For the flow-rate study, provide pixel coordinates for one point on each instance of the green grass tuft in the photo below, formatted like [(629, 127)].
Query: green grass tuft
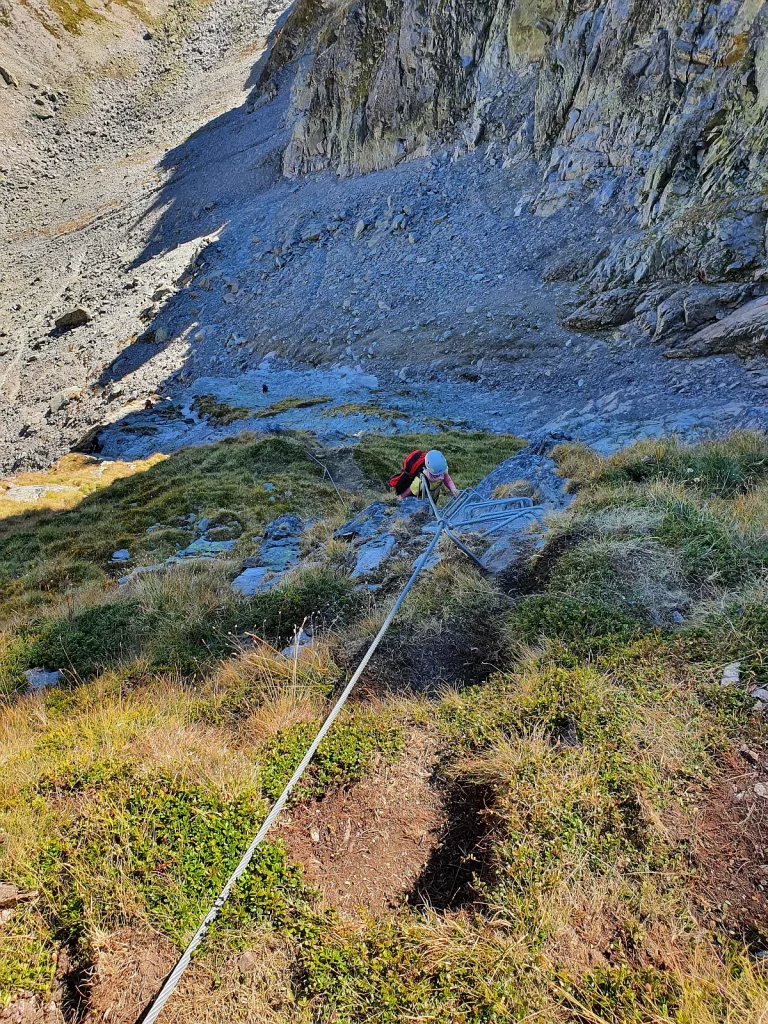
[(343, 759), (470, 456)]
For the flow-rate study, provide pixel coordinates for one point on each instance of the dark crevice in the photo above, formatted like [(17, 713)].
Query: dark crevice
[(447, 881), (73, 976), (532, 575)]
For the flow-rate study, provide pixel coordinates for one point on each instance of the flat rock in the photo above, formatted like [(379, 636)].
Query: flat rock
[(508, 551), (254, 581), (39, 678), (372, 554), (203, 548), (122, 555), (33, 492), (537, 469), (373, 517), (278, 555)]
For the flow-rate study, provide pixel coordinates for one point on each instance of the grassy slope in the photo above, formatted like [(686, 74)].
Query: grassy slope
[(585, 756)]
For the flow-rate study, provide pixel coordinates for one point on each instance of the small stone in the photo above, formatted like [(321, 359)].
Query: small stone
[(76, 317), (123, 555), (749, 755), (359, 229), (761, 790), (760, 694), (677, 618), (297, 648), (730, 675), (9, 895), (43, 113), (314, 834), (312, 232), (8, 77), (248, 961)]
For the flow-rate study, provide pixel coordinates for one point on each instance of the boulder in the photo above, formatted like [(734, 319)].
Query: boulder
[(366, 523), (607, 310), (284, 526), (76, 317), (703, 305), (744, 332), (39, 678)]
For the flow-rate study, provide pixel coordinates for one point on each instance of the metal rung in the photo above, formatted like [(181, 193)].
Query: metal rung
[(484, 516)]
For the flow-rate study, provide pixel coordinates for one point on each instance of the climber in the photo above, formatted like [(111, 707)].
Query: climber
[(422, 470)]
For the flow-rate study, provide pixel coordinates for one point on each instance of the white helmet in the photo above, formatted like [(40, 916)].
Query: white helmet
[(435, 463)]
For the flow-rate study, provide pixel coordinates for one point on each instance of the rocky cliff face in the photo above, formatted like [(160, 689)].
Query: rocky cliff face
[(652, 109)]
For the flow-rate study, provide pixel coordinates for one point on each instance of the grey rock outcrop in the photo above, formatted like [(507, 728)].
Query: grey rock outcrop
[(656, 111), (278, 552), (745, 332)]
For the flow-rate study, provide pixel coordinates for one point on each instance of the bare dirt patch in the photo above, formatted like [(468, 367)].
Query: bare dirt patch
[(31, 1010), (731, 847), (365, 847), (130, 965)]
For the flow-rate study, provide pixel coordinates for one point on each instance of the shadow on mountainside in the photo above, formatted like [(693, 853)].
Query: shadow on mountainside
[(214, 176)]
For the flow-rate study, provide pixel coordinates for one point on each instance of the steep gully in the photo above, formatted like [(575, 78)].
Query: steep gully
[(440, 286)]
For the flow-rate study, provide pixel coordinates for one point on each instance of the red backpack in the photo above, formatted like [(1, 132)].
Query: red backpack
[(413, 464)]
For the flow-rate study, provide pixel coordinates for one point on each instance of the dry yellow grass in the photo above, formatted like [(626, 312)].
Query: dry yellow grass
[(81, 475)]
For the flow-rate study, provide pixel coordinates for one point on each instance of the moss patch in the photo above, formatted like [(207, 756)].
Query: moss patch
[(219, 413), (292, 402)]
